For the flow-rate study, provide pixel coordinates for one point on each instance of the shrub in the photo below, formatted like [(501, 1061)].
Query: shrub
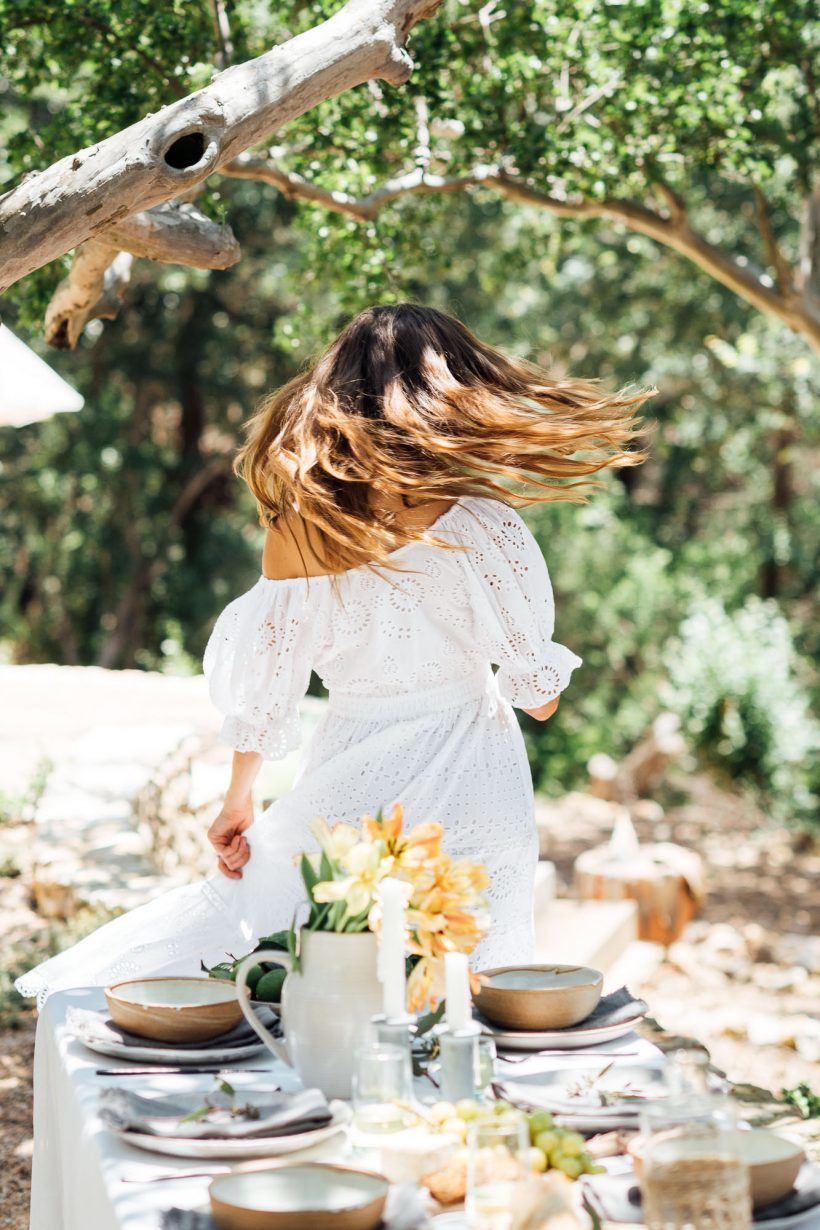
[(733, 679)]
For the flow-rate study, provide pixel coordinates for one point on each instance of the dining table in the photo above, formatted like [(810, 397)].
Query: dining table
[(86, 1177)]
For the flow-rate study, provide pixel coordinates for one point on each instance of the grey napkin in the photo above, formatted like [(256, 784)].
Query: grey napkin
[(280, 1114), (579, 1114), (614, 1009), (617, 1198), (98, 1027)]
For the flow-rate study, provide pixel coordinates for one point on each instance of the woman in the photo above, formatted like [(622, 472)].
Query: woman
[(395, 567)]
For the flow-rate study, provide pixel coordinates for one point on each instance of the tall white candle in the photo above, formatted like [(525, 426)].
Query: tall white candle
[(457, 991), (391, 952)]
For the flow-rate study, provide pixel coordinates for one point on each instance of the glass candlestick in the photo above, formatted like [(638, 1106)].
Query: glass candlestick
[(459, 1063), (394, 1030)]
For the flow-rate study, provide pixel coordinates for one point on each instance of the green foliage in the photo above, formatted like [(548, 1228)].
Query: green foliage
[(21, 806), (732, 679), (806, 1101)]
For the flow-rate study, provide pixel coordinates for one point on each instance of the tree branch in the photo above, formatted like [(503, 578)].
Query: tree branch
[(177, 234), (93, 289), (810, 254), (222, 31), (781, 266), (79, 197), (673, 230)]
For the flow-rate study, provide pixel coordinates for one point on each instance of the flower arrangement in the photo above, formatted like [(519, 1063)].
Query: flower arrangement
[(445, 912)]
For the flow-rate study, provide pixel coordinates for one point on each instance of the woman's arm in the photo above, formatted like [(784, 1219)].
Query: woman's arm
[(226, 832), (546, 711)]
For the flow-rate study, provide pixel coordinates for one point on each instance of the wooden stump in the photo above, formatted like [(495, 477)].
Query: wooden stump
[(663, 880)]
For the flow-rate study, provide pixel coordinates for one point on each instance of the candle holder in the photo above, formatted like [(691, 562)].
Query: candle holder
[(459, 1062), (394, 1030)]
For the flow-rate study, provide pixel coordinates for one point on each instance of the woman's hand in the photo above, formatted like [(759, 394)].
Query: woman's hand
[(226, 836)]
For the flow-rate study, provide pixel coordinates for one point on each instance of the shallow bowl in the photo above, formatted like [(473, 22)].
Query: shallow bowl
[(174, 1009), (310, 1196), (538, 996), (774, 1161)]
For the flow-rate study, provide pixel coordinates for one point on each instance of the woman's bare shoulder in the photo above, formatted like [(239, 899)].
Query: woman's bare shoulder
[(288, 552), (290, 545)]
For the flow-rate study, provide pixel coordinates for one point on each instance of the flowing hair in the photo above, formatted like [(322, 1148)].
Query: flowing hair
[(406, 402)]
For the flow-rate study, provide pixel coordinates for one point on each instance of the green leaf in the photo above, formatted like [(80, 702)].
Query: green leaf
[(278, 939), (429, 1020), (309, 876), (194, 1115)]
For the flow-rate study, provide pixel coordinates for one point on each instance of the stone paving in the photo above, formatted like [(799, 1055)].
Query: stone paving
[(133, 775)]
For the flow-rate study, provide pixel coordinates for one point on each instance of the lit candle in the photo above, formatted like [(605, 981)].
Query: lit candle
[(391, 951), (457, 991)]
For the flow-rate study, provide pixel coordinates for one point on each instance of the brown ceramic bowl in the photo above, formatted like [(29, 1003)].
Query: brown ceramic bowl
[(774, 1162), (538, 997), (309, 1196), (174, 1009)]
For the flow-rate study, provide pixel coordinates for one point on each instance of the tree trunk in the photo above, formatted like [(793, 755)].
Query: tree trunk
[(782, 495)]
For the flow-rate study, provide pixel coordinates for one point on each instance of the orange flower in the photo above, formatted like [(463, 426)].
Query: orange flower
[(377, 828)]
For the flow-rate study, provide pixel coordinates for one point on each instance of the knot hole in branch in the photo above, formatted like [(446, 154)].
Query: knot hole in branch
[(186, 151)]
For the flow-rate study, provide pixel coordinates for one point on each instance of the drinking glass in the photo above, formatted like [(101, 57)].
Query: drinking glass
[(497, 1168), (485, 1065), (382, 1088), (692, 1173)]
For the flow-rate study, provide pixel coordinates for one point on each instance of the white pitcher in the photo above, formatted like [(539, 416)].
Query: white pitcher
[(326, 1005)]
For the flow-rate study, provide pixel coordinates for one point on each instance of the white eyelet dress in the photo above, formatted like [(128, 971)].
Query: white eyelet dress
[(415, 715)]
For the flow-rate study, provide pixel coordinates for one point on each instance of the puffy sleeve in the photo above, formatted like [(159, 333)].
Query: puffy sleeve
[(257, 663), (514, 606)]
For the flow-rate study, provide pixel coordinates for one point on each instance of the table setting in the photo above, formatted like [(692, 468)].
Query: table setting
[(392, 1085)]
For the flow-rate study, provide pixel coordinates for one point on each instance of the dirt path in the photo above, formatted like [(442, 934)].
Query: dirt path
[(16, 1053)]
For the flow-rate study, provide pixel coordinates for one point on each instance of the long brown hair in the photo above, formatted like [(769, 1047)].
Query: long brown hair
[(406, 402)]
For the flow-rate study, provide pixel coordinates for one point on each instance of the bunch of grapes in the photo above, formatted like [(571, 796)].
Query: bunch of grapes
[(551, 1147)]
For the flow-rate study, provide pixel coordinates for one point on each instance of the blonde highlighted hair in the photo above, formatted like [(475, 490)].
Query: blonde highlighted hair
[(406, 402)]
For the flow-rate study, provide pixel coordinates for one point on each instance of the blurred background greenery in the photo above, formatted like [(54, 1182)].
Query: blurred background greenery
[(688, 584)]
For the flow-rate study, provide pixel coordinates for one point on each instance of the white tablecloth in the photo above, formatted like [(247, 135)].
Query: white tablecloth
[(79, 1166)]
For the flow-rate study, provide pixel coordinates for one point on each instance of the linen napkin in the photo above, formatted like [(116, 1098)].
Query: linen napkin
[(404, 1210), (617, 1198), (277, 1114), (90, 1026), (614, 1009), (583, 1116)]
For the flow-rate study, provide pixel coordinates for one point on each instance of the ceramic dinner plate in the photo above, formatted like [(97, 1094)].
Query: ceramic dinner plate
[(559, 1039), (258, 1146), (176, 1057)]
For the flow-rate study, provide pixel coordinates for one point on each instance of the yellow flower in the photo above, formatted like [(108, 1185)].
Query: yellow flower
[(365, 867), (336, 841)]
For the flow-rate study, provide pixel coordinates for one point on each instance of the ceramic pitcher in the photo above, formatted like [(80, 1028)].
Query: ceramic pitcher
[(326, 1005)]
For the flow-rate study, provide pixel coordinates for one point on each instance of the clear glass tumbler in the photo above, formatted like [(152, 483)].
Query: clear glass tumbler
[(485, 1065), (382, 1088), (497, 1169), (692, 1173)]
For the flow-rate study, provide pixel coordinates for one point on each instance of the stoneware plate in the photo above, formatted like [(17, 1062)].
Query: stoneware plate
[(538, 996), (774, 1162), (168, 1057), (310, 1196), (174, 1009), (559, 1040), (258, 1146)]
